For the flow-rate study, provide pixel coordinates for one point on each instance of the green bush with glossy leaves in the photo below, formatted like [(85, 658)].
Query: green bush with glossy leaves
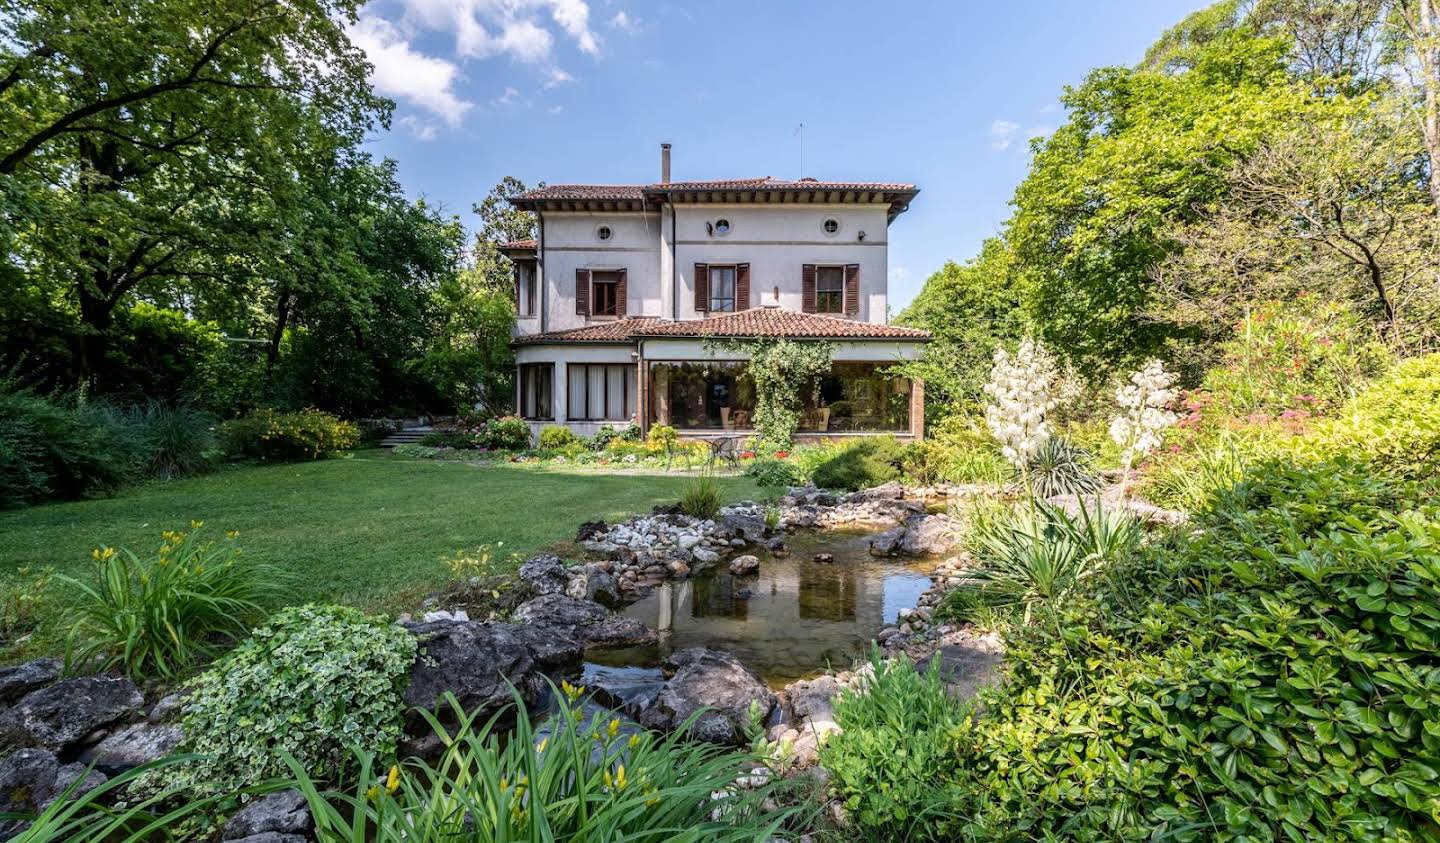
[(1272, 671)]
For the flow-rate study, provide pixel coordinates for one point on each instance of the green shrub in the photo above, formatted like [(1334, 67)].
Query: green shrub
[(772, 473), (701, 497), (923, 463), (894, 764), (1059, 468), (61, 447), (1266, 673), (607, 435), (1395, 423), (314, 683), (1307, 355), (1036, 553), (965, 451), (557, 438), (507, 434), (175, 440), (274, 435), (661, 436), (462, 440), (860, 464), (1187, 480), (163, 615), (576, 778)]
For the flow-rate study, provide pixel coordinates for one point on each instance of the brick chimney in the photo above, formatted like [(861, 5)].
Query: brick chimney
[(664, 163)]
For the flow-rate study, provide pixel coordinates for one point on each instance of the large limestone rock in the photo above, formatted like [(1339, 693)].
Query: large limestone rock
[(595, 583), (32, 778), (62, 714), (967, 666), (712, 680), (928, 535), (18, 680), (477, 662), (281, 815), (545, 574), (136, 744), (887, 543), (584, 620)]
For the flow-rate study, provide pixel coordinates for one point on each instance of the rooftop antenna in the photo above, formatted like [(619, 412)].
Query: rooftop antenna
[(800, 132)]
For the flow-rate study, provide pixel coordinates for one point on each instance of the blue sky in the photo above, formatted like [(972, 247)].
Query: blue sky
[(944, 95)]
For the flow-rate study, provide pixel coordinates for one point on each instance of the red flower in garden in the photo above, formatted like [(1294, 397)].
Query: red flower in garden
[(780, 455)]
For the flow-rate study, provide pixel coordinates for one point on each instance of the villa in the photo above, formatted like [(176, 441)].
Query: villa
[(623, 295)]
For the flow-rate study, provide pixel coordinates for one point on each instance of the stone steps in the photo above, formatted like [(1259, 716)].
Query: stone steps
[(408, 436)]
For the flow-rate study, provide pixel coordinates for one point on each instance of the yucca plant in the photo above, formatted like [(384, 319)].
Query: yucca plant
[(701, 498), (160, 616), (575, 779), (1037, 552), (1059, 467)]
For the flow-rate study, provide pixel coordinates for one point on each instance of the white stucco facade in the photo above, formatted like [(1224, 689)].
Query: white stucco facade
[(656, 235)]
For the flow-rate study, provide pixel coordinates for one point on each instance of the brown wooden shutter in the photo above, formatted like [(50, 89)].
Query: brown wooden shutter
[(807, 288), (582, 292), (742, 286), (852, 289), (515, 287), (620, 293), (702, 287)]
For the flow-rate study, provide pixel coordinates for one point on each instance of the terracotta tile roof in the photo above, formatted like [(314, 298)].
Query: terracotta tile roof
[(757, 322), (771, 183), (627, 192), (775, 322), (618, 331), (637, 192), (519, 245)]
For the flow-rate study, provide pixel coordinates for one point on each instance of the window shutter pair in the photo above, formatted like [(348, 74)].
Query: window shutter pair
[(702, 287), (583, 297)]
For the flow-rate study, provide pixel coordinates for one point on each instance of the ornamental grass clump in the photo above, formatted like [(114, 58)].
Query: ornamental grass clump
[(701, 497), (574, 777), (313, 684), (161, 616), (1021, 389)]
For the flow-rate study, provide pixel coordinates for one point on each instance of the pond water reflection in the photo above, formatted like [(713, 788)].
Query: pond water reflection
[(791, 620)]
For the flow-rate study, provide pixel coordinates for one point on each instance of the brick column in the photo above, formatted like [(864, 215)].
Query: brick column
[(917, 408)]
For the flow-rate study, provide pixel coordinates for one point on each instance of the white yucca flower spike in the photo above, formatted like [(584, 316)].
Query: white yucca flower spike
[(1022, 391), (1144, 411)]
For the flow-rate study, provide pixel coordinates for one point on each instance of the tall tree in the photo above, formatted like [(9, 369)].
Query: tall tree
[(132, 132)]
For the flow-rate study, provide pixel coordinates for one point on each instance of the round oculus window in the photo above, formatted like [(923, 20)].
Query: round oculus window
[(831, 226), (722, 227), (603, 232)]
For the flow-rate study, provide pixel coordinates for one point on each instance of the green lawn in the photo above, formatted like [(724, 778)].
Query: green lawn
[(369, 530)]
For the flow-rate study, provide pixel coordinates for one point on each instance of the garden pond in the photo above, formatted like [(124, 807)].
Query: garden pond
[(791, 620)]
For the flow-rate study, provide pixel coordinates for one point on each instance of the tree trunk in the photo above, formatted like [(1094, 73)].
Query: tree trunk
[(1424, 35)]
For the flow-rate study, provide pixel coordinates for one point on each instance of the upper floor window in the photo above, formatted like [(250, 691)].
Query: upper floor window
[(603, 232), (525, 293), (605, 293), (722, 288), (829, 289), (831, 226), (722, 227)]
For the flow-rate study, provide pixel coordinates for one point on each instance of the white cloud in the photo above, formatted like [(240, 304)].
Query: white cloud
[(485, 28), (624, 22), (421, 131), (1002, 134), (507, 98), (407, 75), (555, 77), (555, 109)]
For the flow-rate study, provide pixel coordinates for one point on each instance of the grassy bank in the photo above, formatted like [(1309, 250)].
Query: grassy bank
[(369, 530)]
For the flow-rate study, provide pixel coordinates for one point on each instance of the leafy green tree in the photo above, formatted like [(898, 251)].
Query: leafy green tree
[(970, 308), (137, 136), (1142, 150)]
